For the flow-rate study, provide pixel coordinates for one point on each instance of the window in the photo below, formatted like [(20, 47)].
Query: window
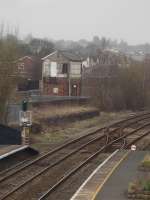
[(27, 85), (65, 68), (21, 67)]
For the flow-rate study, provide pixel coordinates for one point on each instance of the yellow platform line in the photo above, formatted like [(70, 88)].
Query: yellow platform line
[(110, 173)]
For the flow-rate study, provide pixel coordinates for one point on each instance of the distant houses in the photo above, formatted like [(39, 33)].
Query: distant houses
[(61, 73), (57, 74)]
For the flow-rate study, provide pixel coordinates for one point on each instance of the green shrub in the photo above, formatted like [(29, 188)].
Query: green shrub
[(146, 185), (146, 161)]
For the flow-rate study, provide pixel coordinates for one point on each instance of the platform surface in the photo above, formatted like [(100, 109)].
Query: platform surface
[(116, 186), (8, 148)]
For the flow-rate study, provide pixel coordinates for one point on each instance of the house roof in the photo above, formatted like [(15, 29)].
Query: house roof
[(71, 56), (49, 55), (22, 58), (68, 55)]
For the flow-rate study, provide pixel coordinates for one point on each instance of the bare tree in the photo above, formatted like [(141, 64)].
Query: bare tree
[(8, 71)]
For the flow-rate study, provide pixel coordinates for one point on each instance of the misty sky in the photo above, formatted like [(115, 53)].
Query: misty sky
[(76, 19)]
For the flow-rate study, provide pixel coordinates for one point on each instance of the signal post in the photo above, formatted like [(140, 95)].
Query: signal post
[(25, 123)]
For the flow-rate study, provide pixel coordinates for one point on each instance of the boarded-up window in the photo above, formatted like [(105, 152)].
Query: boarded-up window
[(46, 69), (53, 69), (75, 69)]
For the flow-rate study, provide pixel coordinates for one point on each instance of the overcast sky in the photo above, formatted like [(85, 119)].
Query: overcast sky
[(76, 19)]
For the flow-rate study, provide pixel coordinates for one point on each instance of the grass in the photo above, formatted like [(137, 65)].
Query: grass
[(146, 161), (138, 186), (142, 182), (146, 186), (133, 187), (57, 111), (52, 136)]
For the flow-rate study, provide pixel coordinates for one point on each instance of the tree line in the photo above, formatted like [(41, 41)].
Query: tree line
[(128, 90)]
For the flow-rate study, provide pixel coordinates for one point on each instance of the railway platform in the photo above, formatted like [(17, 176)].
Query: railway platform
[(7, 149), (11, 150), (12, 155), (110, 180)]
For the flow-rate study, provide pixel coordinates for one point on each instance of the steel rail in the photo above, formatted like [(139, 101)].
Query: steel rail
[(72, 172), (137, 139), (73, 152), (69, 143), (51, 166), (59, 161), (63, 159)]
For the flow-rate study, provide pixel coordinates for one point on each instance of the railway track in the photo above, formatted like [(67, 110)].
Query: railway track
[(70, 157), (21, 161), (18, 157), (22, 165), (123, 145)]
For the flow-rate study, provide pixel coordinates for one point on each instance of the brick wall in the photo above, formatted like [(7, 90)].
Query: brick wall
[(60, 87)]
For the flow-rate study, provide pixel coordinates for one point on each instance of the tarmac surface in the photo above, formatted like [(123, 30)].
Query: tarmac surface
[(116, 186)]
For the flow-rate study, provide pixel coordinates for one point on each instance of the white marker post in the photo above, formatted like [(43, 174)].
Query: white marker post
[(133, 147)]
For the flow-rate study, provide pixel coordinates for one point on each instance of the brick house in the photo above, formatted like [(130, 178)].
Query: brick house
[(30, 73), (61, 74)]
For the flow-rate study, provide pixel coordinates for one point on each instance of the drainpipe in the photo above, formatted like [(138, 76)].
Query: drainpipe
[(42, 81), (81, 80), (69, 81)]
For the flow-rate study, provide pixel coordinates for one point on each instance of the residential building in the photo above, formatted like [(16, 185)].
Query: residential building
[(30, 73)]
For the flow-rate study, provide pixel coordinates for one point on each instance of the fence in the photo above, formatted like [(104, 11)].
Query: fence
[(9, 136)]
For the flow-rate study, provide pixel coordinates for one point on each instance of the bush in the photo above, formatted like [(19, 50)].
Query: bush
[(146, 161), (146, 186), (133, 187)]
